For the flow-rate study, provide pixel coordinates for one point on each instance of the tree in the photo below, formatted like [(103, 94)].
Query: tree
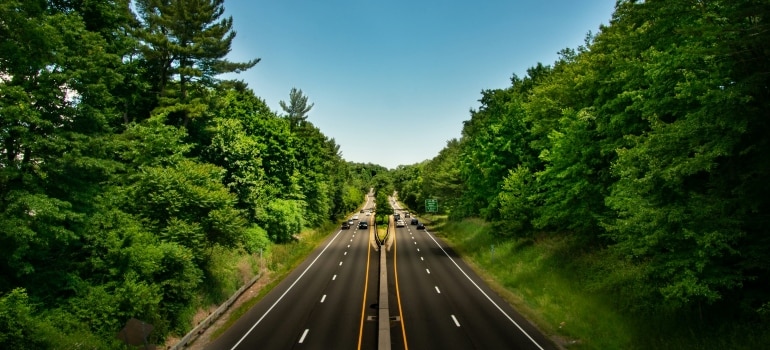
[(297, 108), (692, 190), (186, 39)]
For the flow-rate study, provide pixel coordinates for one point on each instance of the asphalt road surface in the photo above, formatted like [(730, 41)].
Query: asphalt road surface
[(444, 304), (330, 300), (325, 303)]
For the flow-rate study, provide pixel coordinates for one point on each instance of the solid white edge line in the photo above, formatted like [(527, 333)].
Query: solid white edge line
[(482, 292), (304, 334), (285, 292)]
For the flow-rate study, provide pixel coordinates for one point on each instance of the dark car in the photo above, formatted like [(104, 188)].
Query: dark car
[(414, 221), (363, 224), (420, 226), (345, 225), (361, 211)]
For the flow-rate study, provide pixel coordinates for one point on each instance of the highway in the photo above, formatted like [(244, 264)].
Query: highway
[(325, 303), (330, 300), (444, 304)]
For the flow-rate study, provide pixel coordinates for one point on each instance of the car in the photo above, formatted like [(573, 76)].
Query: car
[(361, 211), (345, 225), (355, 217), (414, 221), (397, 216), (368, 213), (400, 223), (363, 224), (407, 215), (350, 222), (420, 226)]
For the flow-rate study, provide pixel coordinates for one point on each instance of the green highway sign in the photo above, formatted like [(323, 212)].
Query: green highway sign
[(431, 205)]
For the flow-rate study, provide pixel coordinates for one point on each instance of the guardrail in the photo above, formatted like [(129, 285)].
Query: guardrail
[(198, 330)]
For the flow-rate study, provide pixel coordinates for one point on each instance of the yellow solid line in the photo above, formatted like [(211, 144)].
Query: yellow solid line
[(366, 284), (398, 294)]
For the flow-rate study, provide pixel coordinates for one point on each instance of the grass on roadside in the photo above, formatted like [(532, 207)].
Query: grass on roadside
[(563, 291), (282, 259)]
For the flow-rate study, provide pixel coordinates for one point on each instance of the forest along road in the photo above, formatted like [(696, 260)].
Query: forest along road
[(445, 305), (323, 304)]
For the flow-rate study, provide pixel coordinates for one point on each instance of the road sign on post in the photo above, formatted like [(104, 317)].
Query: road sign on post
[(431, 205)]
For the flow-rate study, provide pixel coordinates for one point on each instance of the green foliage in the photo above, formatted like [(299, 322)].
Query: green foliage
[(382, 204), (256, 240), (189, 40), (18, 325), (297, 108), (189, 204), (283, 219), (494, 141), (650, 140), (109, 213), (593, 299), (516, 204)]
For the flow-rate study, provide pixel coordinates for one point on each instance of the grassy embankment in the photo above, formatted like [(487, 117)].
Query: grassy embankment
[(278, 262), (563, 289)]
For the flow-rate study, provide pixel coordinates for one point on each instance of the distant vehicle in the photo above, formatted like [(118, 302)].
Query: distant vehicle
[(345, 225), (400, 223), (361, 211), (368, 213), (420, 226), (350, 222), (414, 221), (355, 217), (407, 215), (363, 224)]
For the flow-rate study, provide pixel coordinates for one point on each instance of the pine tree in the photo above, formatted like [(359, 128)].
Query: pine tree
[(297, 108), (185, 42)]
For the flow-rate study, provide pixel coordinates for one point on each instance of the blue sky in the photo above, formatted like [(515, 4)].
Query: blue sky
[(392, 81)]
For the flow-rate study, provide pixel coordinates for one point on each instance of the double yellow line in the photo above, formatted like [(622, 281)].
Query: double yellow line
[(366, 284)]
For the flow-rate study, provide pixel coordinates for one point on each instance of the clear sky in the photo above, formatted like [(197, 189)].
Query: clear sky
[(393, 80)]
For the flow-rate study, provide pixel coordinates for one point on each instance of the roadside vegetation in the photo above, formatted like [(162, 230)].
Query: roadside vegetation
[(624, 189), (567, 292), (135, 183), (620, 194), (279, 262)]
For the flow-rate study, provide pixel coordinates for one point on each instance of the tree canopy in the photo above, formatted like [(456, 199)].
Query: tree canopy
[(649, 142), (128, 168)]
